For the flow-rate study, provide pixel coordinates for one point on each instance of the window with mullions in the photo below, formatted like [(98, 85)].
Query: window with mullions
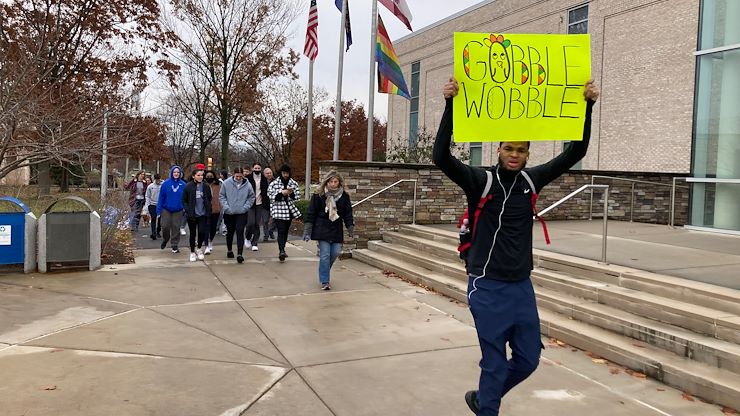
[(578, 20), (476, 154), (414, 111), (577, 25)]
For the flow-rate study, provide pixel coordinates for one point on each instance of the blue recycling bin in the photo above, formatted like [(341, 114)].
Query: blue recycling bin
[(18, 236)]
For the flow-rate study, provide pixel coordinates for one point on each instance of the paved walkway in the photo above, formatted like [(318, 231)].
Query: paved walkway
[(168, 337)]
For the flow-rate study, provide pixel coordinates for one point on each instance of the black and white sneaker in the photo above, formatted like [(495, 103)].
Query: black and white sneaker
[(175, 250), (282, 256), (325, 286)]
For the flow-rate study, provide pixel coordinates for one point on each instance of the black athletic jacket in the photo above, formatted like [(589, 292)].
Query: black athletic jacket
[(503, 249)]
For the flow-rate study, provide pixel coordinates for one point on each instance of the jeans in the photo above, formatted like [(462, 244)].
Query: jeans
[(213, 226), (254, 222), (135, 214), (328, 253), (199, 224), (504, 312), (156, 223), (235, 224), (283, 228), (171, 226)]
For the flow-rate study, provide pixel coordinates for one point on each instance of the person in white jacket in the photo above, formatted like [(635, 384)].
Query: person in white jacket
[(151, 199)]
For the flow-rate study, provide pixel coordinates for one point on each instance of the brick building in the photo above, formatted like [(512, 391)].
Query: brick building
[(646, 56)]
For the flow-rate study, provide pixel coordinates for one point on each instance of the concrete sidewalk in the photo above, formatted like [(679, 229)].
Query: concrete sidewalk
[(168, 337)]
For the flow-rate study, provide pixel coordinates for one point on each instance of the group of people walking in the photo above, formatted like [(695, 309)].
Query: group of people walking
[(250, 204)]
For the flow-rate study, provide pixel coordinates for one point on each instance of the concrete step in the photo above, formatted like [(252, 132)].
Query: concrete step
[(579, 298), (430, 247), (718, 324), (684, 343), (718, 385), (454, 269), (430, 233), (447, 286), (714, 384), (683, 290)]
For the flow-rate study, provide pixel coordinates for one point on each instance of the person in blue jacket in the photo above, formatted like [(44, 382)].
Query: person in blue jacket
[(170, 208)]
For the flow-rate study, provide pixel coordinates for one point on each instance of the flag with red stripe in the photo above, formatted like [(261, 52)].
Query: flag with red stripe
[(400, 9), (311, 47)]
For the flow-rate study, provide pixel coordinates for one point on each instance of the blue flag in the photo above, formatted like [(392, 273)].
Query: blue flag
[(347, 27)]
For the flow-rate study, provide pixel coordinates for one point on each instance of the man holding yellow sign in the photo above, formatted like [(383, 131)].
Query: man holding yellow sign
[(512, 89), (520, 87)]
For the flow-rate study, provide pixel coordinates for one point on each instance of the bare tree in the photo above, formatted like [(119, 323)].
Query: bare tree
[(61, 62), (236, 44)]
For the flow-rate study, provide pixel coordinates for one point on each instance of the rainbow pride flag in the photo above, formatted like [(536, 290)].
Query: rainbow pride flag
[(390, 77)]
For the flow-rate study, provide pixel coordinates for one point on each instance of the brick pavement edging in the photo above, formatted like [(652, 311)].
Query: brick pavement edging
[(440, 201)]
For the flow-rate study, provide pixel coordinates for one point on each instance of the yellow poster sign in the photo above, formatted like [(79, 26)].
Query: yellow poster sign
[(520, 87)]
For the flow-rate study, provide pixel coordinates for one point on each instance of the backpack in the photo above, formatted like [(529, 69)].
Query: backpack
[(467, 231)]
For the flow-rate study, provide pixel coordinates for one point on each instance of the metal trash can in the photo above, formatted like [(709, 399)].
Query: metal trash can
[(18, 236), (69, 238)]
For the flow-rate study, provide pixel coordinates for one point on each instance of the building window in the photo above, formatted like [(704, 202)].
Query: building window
[(577, 24), (414, 111), (578, 20), (716, 138), (476, 154)]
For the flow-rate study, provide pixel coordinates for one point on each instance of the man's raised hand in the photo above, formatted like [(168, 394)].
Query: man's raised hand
[(450, 89), (591, 92)]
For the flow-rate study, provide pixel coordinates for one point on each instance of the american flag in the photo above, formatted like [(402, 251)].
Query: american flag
[(311, 48)]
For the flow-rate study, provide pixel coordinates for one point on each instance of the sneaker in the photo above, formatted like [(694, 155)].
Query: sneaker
[(239, 259), (159, 235), (230, 255), (255, 248), (152, 236), (200, 255), (182, 231), (175, 250), (264, 239), (471, 398), (282, 256), (208, 250), (163, 245), (193, 257), (272, 235), (247, 244), (325, 286)]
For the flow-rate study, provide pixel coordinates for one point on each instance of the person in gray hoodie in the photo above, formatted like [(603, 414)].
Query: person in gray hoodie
[(236, 198), (152, 196)]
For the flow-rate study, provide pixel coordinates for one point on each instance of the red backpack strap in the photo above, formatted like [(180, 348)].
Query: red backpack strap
[(484, 198), (533, 200)]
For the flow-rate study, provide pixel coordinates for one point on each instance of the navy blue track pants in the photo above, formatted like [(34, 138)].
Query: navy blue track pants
[(504, 312)]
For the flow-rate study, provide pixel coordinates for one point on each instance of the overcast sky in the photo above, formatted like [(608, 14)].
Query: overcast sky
[(357, 60)]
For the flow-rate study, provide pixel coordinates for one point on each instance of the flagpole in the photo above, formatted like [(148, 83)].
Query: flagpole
[(371, 93), (309, 136), (338, 110)]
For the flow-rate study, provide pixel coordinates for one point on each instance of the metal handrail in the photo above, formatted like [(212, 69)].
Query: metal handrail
[(632, 193), (606, 211), (413, 215)]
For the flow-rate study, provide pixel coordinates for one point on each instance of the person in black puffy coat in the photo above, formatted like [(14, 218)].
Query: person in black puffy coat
[(329, 210)]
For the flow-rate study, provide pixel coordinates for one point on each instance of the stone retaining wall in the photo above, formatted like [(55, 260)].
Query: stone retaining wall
[(439, 200)]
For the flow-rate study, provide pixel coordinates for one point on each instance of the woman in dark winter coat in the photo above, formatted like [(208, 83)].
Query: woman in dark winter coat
[(197, 203), (330, 209)]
